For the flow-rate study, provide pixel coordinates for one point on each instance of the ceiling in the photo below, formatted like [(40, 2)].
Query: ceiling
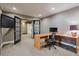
[(37, 9)]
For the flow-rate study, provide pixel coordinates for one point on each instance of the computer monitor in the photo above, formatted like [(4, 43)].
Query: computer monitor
[(53, 29)]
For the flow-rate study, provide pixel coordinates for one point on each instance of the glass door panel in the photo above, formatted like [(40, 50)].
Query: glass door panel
[(17, 31)]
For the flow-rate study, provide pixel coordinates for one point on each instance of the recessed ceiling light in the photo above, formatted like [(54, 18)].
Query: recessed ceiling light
[(53, 8), (23, 23), (14, 8), (39, 15)]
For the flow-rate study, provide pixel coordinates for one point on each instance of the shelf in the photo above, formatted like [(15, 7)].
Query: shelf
[(72, 45)]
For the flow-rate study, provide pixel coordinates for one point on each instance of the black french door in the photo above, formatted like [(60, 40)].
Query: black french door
[(17, 30), (36, 27)]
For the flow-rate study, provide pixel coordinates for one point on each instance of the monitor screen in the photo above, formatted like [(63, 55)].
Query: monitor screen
[(6, 21), (53, 29)]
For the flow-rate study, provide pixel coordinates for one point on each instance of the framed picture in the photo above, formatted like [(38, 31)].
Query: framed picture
[(73, 27)]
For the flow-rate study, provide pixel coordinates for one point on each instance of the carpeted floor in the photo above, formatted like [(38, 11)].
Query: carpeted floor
[(26, 48)]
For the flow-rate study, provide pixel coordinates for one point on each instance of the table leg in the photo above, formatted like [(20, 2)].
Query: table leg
[(58, 39)]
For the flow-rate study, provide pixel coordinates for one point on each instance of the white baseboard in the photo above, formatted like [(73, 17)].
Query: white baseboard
[(6, 43)]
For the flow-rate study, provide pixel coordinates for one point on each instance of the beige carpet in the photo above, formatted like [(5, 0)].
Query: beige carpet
[(26, 48)]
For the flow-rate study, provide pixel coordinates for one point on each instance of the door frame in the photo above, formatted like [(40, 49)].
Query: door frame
[(15, 42), (34, 28)]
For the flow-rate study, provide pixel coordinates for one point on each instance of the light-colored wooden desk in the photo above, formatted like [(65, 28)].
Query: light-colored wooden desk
[(38, 37), (59, 38)]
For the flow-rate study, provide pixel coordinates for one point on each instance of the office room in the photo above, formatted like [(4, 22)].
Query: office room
[(39, 29)]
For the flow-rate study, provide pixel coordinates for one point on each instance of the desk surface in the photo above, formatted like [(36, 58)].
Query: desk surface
[(65, 35), (58, 34), (44, 34)]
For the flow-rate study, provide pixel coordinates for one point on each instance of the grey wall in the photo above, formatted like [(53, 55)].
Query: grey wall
[(61, 20)]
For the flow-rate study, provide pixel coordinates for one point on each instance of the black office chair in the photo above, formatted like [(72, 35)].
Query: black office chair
[(51, 41)]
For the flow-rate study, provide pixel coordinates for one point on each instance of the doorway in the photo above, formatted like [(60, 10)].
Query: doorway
[(29, 28), (26, 28)]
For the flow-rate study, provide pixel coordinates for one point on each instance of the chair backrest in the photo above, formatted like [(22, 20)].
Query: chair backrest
[(52, 37)]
